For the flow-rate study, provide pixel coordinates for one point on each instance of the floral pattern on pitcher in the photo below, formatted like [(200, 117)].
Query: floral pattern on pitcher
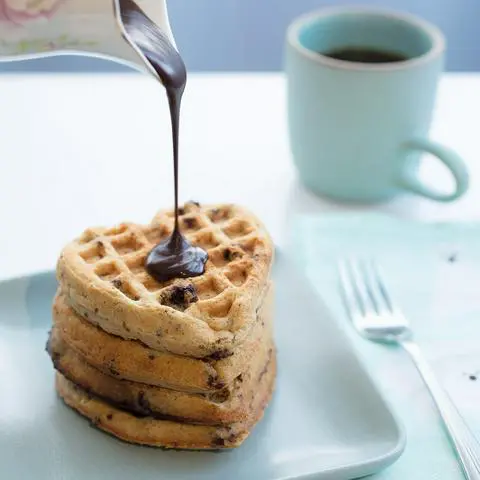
[(62, 42), (20, 12), (34, 28), (19, 15)]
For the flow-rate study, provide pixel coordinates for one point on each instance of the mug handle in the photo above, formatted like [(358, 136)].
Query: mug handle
[(449, 158)]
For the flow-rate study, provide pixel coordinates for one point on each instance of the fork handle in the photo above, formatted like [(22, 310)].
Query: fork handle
[(465, 443)]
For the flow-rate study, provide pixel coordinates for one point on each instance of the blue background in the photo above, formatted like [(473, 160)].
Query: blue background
[(243, 35)]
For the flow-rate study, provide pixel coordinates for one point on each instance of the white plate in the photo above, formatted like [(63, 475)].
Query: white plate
[(327, 420)]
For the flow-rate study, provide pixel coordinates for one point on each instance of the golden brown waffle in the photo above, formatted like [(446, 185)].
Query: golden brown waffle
[(166, 433), (131, 360), (103, 276), (219, 408)]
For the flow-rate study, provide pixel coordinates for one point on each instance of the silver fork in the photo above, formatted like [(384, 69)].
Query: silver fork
[(378, 318)]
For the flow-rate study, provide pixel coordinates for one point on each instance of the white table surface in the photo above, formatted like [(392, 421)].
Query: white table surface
[(95, 149)]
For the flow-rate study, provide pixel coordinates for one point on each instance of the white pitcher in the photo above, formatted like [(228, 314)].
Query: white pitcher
[(36, 28)]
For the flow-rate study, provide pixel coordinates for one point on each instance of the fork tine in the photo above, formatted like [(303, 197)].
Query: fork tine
[(358, 280), (348, 291), (354, 287), (381, 286), (374, 285)]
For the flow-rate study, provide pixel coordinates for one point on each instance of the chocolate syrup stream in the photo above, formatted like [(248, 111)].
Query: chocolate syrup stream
[(174, 257), (175, 100)]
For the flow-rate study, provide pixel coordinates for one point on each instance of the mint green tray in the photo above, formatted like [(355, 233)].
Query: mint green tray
[(327, 419)]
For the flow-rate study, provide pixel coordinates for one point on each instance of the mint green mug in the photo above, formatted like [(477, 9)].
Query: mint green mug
[(357, 129)]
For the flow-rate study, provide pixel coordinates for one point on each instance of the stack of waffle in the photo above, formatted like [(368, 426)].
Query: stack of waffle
[(187, 363)]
